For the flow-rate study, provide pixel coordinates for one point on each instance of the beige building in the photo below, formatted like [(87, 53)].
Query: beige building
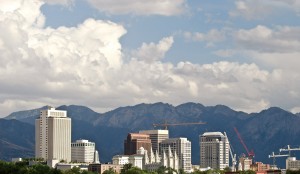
[(82, 151), (100, 168), (156, 137), (214, 150), (136, 160), (244, 163), (292, 163), (53, 135), (182, 148)]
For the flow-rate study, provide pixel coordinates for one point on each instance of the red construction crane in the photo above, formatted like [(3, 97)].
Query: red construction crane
[(165, 125), (250, 153)]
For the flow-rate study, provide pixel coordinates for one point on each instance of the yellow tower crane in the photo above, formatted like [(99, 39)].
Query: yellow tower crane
[(165, 125)]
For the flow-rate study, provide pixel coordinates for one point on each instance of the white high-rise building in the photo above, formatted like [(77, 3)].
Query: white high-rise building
[(156, 136), (53, 135), (214, 150), (182, 147), (83, 151)]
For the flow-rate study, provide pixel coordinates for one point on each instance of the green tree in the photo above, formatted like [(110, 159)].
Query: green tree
[(247, 172), (135, 170), (181, 171), (109, 171), (74, 170), (165, 170), (126, 167), (39, 168)]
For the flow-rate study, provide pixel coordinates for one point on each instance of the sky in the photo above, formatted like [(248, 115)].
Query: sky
[(106, 54)]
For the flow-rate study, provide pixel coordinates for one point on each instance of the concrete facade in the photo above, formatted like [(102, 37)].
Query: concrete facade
[(53, 135), (100, 168), (292, 163), (182, 147), (214, 150), (156, 137), (82, 151)]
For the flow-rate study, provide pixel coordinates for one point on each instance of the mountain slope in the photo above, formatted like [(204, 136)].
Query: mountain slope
[(263, 132), (16, 139)]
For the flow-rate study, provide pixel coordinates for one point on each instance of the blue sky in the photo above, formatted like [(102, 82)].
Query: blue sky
[(102, 54)]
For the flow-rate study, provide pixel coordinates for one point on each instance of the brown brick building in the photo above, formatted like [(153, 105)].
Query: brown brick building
[(136, 140)]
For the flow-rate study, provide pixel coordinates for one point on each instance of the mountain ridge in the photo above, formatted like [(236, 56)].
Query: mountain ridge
[(260, 131)]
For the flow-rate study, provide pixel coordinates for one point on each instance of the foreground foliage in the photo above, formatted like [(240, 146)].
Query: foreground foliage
[(24, 168)]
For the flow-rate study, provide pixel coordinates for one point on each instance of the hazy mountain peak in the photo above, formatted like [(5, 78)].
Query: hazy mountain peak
[(25, 113), (274, 110)]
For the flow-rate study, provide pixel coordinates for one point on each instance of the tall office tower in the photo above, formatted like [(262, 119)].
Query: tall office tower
[(156, 137), (214, 150), (53, 135), (182, 147), (136, 140), (83, 151)]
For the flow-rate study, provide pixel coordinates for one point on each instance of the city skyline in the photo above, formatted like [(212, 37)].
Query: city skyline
[(243, 54)]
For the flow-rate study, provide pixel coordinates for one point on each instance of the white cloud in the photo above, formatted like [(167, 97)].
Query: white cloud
[(61, 2), (141, 7), (257, 9), (84, 65), (263, 39), (295, 110), (212, 35), (251, 9), (38, 62), (225, 53), (154, 52)]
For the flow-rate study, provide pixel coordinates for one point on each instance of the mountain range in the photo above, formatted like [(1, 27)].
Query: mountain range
[(264, 132)]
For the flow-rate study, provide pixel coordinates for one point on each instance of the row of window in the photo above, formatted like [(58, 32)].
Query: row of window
[(82, 144)]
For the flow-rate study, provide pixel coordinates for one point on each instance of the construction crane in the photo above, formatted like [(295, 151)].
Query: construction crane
[(273, 155), (233, 157), (250, 153), (165, 125), (288, 149)]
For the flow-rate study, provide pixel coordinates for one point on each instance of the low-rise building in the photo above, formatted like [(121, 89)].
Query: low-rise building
[(120, 159), (292, 163), (135, 160), (100, 168), (83, 151), (68, 166), (244, 163), (259, 166)]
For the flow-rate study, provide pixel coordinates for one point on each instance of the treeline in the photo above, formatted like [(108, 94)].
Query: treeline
[(24, 168)]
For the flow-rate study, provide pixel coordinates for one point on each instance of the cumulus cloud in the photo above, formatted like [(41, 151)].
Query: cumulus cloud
[(48, 62), (225, 52), (61, 2), (141, 7), (84, 65), (211, 37), (256, 9), (251, 9), (261, 38), (153, 52)]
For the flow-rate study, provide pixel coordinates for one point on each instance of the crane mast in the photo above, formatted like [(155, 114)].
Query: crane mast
[(233, 157), (165, 125), (250, 153), (273, 155)]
